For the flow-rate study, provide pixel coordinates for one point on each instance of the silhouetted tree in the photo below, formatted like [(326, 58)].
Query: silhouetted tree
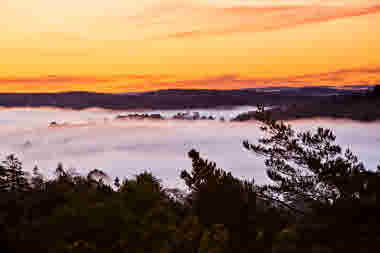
[(147, 179), (117, 182), (306, 168), (37, 180), (60, 172), (97, 177), (376, 91), (15, 178), (312, 175), (219, 198), (4, 182)]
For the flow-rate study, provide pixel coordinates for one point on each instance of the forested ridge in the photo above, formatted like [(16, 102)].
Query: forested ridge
[(321, 199), (359, 107), (176, 98)]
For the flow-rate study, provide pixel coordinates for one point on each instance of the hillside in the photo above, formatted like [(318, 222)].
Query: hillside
[(174, 99)]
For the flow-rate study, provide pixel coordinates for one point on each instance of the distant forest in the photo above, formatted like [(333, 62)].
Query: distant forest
[(362, 107), (320, 199), (180, 99)]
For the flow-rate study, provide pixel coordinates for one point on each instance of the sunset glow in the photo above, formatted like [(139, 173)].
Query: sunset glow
[(123, 46)]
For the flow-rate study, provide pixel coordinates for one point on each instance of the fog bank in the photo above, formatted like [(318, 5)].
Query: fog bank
[(94, 139)]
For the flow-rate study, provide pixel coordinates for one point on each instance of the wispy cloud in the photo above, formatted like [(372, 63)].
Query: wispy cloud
[(53, 79), (357, 76), (145, 82), (252, 19), (56, 79)]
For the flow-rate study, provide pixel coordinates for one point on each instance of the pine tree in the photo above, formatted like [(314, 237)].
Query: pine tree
[(4, 182), (219, 198), (37, 179), (15, 176), (117, 182), (306, 168)]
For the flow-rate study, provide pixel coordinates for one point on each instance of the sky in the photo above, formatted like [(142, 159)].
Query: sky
[(125, 46)]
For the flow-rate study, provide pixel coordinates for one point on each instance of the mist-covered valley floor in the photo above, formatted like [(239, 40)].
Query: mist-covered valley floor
[(95, 139)]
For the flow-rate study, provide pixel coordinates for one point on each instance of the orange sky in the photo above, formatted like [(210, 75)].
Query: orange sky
[(121, 46)]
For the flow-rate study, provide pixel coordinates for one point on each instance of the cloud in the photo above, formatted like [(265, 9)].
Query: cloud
[(52, 79), (363, 76), (62, 79), (146, 82), (248, 19)]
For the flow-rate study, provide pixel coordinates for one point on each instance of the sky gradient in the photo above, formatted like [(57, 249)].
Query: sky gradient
[(123, 46)]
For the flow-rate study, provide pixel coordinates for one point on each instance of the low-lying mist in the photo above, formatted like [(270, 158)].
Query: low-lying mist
[(95, 139)]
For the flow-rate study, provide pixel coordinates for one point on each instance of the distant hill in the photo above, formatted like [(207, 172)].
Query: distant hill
[(177, 98), (356, 106)]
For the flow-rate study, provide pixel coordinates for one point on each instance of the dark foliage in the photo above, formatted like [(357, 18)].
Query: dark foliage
[(311, 175), (218, 198), (359, 107), (376, 91)]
